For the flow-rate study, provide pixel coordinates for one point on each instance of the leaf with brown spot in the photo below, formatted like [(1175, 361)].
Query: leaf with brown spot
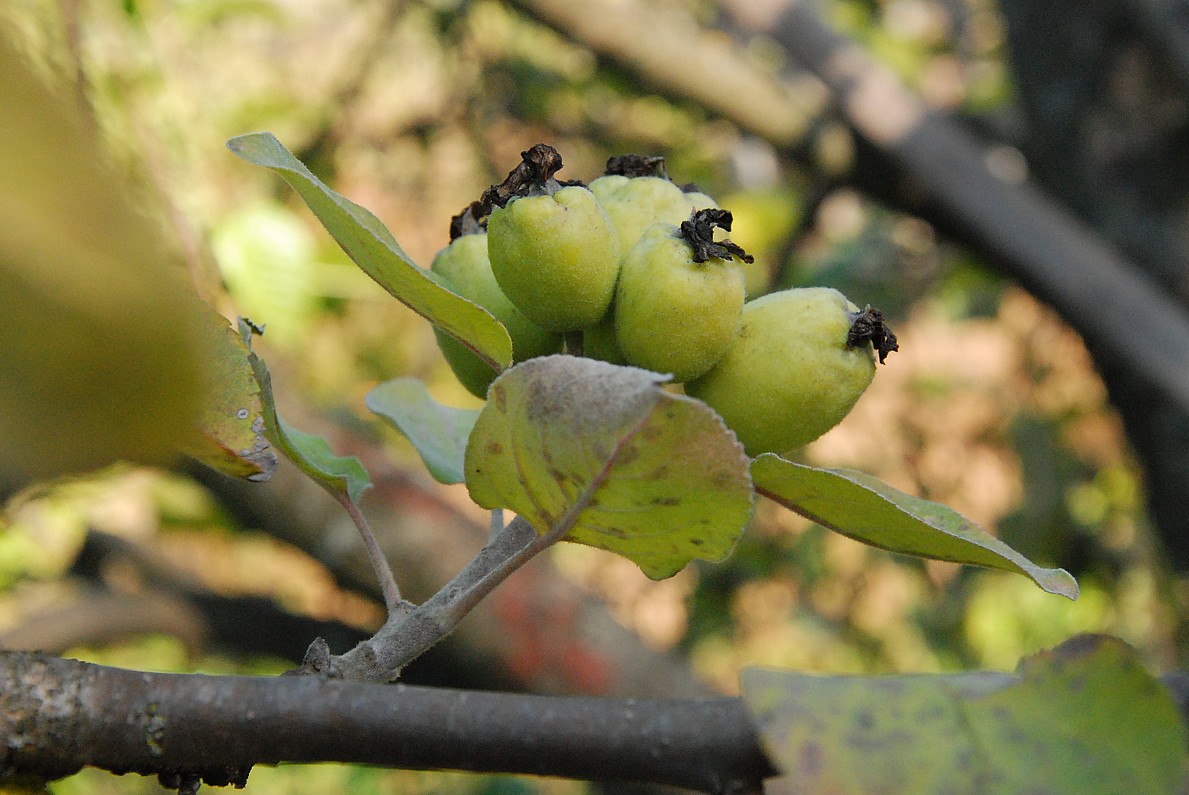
[(1085, 717), (611, 459)]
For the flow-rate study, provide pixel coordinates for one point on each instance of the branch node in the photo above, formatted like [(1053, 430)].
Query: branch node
[(317, 660)]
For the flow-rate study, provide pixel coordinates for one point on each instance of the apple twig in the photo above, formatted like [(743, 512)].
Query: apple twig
[(411, 630)]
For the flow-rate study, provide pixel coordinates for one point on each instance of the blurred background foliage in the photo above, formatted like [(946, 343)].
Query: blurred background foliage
[(992, 406)]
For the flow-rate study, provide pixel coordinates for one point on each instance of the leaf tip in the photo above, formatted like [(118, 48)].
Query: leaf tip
[(238, 144), (1061, 583), (242, 146)]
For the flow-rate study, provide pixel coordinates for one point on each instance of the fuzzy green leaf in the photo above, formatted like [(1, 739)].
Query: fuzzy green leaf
[(864, 508), (343, 476), (438, 433), (1085, 717), (373, 248), (607, 455)]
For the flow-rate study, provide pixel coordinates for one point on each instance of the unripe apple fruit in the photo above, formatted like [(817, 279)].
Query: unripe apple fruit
[(679, 298), (556, 257), (636, 193), (553, 250), (465, 266), (636, 203), (801, 361), (698, 200)]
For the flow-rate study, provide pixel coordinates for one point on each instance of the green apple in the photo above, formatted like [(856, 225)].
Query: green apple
[(679, 298), (636, 193), (636, 203), (698, 200), (465, 266), (553, 249), (801, 361), (556, 257)]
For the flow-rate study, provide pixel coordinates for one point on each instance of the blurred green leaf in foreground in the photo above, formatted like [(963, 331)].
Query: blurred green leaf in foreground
[(99, 359)]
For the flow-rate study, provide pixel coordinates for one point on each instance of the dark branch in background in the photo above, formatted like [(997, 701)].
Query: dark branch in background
[(945, 178), (940, 172), (1102, 90), (217, 727), (97, 617), (240, 625), (164, 601), (1166, 24), (672, 54)]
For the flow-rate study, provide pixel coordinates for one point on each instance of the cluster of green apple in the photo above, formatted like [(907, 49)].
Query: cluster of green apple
[(634, 269)]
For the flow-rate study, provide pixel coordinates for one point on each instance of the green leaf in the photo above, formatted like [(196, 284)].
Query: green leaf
[(864, 508), (439, 433), (853, 735), (373, 248), (1085, 717), (230, 435), (101, 357), (608, 456), (343, 476)]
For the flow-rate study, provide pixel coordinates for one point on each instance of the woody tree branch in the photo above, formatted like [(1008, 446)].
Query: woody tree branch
[(60, 715)]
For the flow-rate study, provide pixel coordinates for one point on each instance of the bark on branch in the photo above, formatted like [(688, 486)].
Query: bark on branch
[(58, 715)]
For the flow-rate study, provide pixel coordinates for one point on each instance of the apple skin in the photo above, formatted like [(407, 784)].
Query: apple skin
[(790, 375), (636, 203), (674, 315), (700, 201), (465, 266), (556, 257)]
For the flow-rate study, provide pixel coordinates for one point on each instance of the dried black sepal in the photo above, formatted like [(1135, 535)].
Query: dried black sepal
[(536, 167), (869, 326), (698, 231), (636, 166), (533, 176), (471, 221)]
